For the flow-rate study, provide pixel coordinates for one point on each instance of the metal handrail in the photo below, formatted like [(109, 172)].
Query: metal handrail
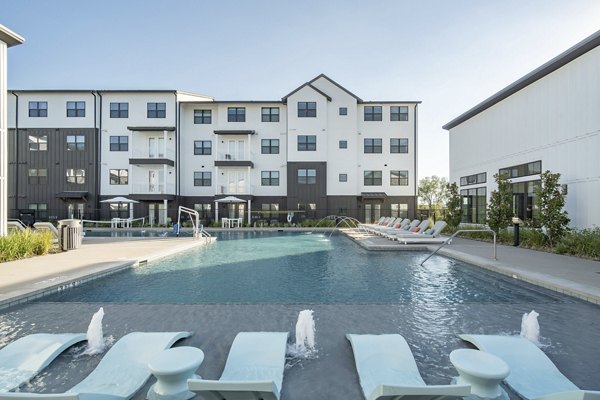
[(456, 233)]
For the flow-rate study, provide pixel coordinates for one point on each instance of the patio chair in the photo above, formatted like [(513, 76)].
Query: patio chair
[(24, 358), (532, 374), (431, 237), (254, 369), (387, 370), (120, 374)]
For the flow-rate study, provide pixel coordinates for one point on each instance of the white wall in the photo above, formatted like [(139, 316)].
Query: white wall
[(556, 120), (57, 110), (307, 126)]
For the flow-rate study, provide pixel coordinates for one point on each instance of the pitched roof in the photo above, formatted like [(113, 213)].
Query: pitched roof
[(310, 84), (557, 62)]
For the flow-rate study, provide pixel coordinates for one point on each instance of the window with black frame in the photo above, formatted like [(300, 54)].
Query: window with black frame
[(202, 147), (269, 114), (373, 146), (399, 113), (236, 114), (307, 142), (75, 142), (37, 176), (269, 178), (38, 142), (38, 109), (307, 176), (373, 113), (202, 116), (119, 176), (307, 109), (119, 110), (398, 145), (119, 210), (76, 109), (373, 178), (202, 178), (156, 110), (119, 143), (269, 146), (399, 178)]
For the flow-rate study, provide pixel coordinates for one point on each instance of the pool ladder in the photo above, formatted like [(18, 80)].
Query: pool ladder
[(456, 233)]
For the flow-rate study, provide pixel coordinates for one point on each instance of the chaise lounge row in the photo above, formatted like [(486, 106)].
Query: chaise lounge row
[(406, 231), (255, 366)]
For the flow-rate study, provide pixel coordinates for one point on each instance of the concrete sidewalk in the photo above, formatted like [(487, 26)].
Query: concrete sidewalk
[(30, 278)]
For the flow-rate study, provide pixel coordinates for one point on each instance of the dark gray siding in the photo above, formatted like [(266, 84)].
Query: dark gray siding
[(305, 194), (56, 160)]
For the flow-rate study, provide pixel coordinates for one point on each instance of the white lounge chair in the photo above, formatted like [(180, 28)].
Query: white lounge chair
[(431, 237), (416, 230), (387, 224), (24, 358), (387, 370), (254, 369), (120, 374), (532, 374), (398, 226)]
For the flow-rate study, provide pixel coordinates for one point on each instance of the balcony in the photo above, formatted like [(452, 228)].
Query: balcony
[(144, 156), (234, 159), (233, 188), (157, 188)]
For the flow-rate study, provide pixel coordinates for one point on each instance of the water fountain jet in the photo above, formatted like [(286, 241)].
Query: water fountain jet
[(530, 327), (95, 336), (305, 336)]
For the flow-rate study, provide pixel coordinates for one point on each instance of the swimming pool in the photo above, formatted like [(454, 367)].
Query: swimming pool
[(272, 267), (259, 281)]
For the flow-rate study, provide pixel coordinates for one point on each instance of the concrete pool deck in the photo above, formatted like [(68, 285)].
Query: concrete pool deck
[(572, 276), (31, 278)]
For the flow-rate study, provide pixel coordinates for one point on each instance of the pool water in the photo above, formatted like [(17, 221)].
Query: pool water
[(287, 268)]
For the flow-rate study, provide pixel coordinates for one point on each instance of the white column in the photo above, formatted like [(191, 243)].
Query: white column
[(130, 210), (249, 212), (216, 212), (3, 143), (165, 213), (165, 144)]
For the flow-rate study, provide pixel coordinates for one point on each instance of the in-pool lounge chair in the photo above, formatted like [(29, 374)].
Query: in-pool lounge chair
[(532, 374), (387, 370), (415, 230), (24, 358), (432, 235), (254, 369), (120, 374)]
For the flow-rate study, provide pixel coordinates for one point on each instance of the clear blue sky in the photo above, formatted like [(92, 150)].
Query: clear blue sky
[(448, 54)]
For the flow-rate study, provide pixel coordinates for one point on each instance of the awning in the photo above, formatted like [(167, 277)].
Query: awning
[(72, 195), (373, 195), (151, 128), (235, 132), (119, 199), (230, 199)]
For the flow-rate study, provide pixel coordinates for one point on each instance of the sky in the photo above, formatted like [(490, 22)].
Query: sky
[(450, 55)]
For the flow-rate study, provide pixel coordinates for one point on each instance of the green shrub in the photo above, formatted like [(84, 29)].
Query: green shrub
[(581, 243), (24, 244)]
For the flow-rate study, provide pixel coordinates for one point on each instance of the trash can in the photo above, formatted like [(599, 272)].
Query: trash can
[(70, 234)]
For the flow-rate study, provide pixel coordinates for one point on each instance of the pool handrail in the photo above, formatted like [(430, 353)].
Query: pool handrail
[(456, 233)]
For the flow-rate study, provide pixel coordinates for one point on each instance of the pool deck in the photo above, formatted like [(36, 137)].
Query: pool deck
[(572, 276), (31, 278)]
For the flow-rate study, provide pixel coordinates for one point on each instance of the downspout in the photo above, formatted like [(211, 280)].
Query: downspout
[(415, 152), (97, 166), (99, 150), (16, 151), (177, 154)]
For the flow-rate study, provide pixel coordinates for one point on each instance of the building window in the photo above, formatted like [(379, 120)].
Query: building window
[(269, 208), (270, 114), (307, 176), (307, 109), (75, 142), (38, 143), (343, 144), (156, 110), (75, 108), (38, 176), (343, 111), (119, 143), (202, 147), (372, 113), (204, 209), (399, 113), (525, 200), (269, 178), (202, 178), (473, 179), (236, 114), (119, 110), (343, 178), (532, 168), (76, 176), (41, 210), (119, 210), (202, 116), (269, 146), (307, 143), (399, 210), (473, 205), (399, 178), (398, 145), (119, 176), (373, 146), (38, 108), (373, 178)]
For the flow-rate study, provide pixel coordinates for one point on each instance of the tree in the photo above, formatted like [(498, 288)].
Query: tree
[(432, 192), (453, 206), (551, 200), (499, 210)]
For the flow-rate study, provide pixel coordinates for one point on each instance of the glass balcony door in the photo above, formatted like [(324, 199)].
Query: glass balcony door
[(156, 147)]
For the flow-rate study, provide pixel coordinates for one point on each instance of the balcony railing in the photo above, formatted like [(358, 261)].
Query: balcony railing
[(224, 156), (138, 152), (235, 189), (157, 188)]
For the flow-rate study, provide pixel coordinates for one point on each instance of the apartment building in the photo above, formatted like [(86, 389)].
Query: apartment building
[(546, 120), (319, 150)]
